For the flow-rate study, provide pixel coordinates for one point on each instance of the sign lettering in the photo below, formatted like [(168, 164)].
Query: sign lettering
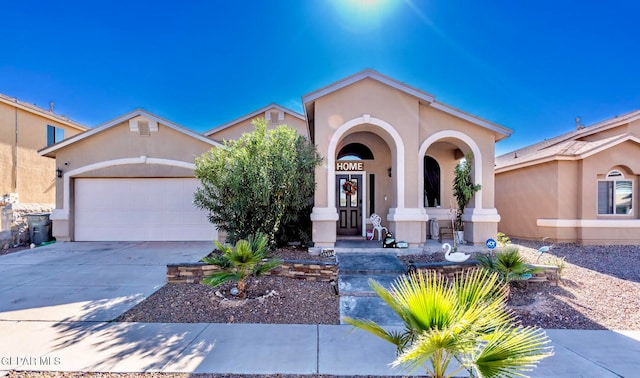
[(349, 166)]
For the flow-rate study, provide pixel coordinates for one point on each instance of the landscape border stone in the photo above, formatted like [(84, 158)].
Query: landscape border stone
[(193, 273)]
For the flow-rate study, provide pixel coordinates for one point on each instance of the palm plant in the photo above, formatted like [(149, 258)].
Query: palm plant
[(465, 319), (463, 187), (508, 264), (247, 259)]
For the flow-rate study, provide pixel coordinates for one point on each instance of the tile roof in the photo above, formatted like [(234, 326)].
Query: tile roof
[(568, 145)]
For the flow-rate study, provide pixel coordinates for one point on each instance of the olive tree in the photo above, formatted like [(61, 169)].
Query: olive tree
[(260, 183)]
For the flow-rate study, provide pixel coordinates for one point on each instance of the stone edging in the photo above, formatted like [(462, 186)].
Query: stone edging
[(549, 273), (193, 273)]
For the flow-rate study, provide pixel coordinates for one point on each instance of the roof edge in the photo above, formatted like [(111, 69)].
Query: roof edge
[(13, 101), (574, 157), (252, 115), (48, 151), (371, 74)]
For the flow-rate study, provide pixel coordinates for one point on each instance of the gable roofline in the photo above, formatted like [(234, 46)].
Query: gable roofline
[(368, 73), (501, 130), (253, 115), (50, 150), (536, 148), (585, 153), (426, 98), (13, 101)]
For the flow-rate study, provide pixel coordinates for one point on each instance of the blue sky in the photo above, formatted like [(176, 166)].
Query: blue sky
[(529, 66)]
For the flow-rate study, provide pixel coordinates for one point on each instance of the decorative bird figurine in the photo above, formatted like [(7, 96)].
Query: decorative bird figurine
[(542, 250), (453, 257)]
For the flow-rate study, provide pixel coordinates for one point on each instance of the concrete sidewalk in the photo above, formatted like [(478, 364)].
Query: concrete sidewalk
[(267, 349)]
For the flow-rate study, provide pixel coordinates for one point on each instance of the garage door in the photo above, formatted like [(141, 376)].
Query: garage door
[(139, 209)]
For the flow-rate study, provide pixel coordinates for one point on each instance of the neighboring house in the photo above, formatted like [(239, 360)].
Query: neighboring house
[(132, 178), (578, 187), (24, 129), (275, 114)]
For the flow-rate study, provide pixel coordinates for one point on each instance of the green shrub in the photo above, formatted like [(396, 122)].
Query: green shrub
[(262, 182), (508, 264), (558, 262), (503, 239), (247, 259)]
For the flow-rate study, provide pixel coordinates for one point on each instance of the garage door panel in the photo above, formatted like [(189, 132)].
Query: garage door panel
[(139, 209)]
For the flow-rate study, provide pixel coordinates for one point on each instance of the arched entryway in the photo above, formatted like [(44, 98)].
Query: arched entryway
[(446, 149), (363, 181)]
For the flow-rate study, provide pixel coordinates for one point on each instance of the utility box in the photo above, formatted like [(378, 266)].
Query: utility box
[(6, 218), (39, 227)]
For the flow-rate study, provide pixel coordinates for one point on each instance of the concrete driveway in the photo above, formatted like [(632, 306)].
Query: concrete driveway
[(87, 281)]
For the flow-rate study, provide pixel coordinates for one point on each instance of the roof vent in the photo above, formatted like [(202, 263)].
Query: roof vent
[(143, 125), (143, 128)]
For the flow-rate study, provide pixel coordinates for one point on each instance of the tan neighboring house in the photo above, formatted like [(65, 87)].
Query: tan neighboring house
[(578, 187), (24, 129), (396, 144), (275, 114), (129, 179), (27, 180)]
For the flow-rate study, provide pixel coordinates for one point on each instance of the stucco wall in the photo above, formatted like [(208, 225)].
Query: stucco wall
[(118, 142), (558, 199), (35, 174), (407, 126), (523, 196)]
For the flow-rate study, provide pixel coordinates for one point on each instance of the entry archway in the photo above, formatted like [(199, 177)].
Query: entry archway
[(397, 153)]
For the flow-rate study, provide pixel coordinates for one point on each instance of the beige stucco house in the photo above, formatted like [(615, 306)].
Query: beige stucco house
[(408, 144), (24, 129), (132, 178), (578, 187)]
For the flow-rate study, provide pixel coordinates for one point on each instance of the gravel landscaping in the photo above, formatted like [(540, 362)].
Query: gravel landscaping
[(599, 289)]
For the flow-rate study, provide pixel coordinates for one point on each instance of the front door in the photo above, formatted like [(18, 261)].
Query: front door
[(349, 193)]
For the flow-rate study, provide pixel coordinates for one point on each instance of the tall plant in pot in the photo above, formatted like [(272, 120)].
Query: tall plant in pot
[(463, 190)]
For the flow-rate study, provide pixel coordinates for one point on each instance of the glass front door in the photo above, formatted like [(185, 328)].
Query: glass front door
[(349, 193)]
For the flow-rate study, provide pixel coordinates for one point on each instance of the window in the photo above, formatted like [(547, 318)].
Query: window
[(431, 182), (54, 135), (615, 195)]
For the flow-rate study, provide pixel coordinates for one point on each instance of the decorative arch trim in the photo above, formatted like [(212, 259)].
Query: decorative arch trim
[(341, 132), (477, 158)]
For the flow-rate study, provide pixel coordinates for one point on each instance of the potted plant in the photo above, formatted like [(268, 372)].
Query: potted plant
[(463, 190)]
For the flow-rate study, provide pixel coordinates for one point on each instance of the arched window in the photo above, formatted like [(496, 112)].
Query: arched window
[(431, 182), (615, 195), (355, 151)]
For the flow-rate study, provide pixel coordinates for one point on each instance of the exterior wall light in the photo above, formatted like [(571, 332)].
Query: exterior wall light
[(389, 171), (58, 172)]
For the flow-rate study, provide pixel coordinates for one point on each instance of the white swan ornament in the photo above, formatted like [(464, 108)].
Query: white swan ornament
[(453, 257)]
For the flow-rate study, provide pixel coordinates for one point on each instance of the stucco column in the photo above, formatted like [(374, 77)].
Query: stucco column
[(480, 224), (409, 224), (323, 228)]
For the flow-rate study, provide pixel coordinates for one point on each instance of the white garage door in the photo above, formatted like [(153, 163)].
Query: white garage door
[(139, 209)]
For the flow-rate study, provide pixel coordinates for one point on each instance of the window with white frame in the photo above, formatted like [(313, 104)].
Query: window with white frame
[(615, 195), (54, 135)]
